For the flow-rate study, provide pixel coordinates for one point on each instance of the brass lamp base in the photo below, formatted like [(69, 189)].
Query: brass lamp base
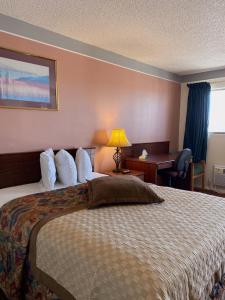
[(117, 159), (117, 170)]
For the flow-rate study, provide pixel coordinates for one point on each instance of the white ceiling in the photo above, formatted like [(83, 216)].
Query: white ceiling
[(180, 36)]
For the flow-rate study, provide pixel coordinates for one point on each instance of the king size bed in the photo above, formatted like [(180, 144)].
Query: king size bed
[(53, 247)]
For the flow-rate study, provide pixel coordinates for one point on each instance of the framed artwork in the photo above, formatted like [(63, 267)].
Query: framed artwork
[(27, 81)]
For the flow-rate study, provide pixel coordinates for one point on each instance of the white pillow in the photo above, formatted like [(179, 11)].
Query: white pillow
[(84, 166), (66, 168), (48, 170)]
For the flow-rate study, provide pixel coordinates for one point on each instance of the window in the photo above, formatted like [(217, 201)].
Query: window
[(217, 111)]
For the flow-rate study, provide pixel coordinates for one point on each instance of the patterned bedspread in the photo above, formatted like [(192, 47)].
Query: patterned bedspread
[(169, 251), (18, 218), (52, 247)]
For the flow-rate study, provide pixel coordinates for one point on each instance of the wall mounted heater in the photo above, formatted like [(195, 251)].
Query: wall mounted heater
[(219, 175)]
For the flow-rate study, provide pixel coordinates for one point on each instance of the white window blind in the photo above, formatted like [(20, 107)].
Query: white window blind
[(217, 111)]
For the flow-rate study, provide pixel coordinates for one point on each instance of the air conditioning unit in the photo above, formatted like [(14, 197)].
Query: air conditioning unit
[(219, 175)]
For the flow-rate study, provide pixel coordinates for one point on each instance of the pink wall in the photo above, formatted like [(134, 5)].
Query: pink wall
[(94, 97)]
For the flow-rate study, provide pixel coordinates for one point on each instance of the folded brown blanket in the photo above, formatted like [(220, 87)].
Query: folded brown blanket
[(119, 190)]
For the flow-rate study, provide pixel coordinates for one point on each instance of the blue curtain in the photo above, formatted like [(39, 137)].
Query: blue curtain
[(196, 130)]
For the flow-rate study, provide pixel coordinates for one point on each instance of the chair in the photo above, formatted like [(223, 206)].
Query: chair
[(197, 170), (180, 167)]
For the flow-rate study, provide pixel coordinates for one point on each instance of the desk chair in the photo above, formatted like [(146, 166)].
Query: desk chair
[(180, 167)]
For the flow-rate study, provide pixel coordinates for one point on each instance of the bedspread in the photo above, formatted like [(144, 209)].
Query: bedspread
[(17, 220), (169, 251)]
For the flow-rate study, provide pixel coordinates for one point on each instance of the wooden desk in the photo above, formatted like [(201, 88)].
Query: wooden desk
[(151, 166), (136, 173)]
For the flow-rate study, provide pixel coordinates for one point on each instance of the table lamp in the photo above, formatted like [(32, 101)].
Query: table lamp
[(118, 139)]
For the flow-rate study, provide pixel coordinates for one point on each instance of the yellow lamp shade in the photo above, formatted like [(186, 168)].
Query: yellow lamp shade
[(118, 138)]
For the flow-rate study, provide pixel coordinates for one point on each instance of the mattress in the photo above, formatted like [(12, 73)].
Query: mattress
[(14, 192)]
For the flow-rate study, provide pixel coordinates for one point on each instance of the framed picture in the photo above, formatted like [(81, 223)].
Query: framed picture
[(27, 81)]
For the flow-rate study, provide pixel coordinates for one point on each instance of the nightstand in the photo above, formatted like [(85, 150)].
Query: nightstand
[(136, 173)]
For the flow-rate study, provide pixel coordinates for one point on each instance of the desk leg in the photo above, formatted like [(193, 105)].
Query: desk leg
[(152, 174), (150, 170)]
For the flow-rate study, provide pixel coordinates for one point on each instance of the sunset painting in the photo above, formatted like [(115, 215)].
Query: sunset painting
[(23, 81), (25, 84)]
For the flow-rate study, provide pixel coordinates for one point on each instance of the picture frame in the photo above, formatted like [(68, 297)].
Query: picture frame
[(27, 81)]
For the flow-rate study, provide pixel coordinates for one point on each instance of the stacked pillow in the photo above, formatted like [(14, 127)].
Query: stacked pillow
[(84, 166), (66, 168), (64, 165), (48, 170)]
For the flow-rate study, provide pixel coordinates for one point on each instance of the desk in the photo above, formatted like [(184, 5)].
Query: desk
[(151, 166), (136, 173)]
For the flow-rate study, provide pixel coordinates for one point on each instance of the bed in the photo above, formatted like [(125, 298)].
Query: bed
[(10, 193), (53, 247)]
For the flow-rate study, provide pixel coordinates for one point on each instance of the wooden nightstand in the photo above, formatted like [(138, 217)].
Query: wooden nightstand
[(136, 173)]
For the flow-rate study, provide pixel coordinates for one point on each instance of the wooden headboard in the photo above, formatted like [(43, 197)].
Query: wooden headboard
[(23, 168)]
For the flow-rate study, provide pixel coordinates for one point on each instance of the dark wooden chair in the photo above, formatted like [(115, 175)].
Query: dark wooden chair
[(197, 170)]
